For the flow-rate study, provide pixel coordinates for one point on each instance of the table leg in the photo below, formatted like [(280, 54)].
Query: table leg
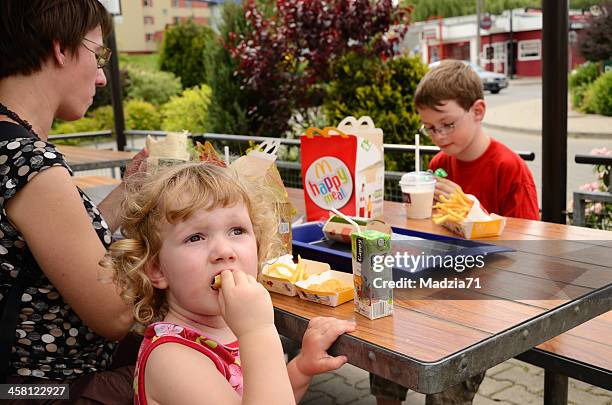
[(555, 388)]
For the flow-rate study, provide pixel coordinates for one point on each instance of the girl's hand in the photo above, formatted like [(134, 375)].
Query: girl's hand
[(444, 187), (319, 336), (245, 304), (138, 164)]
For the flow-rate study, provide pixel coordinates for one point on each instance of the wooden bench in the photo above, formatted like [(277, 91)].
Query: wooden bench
[(84, 182)]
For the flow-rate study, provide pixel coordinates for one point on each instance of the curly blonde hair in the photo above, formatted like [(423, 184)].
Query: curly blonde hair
[(173, 194)]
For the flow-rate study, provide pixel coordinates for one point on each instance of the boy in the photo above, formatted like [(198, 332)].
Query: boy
[(451, 104)]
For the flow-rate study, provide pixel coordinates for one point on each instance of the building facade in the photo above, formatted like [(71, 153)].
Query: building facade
[(455, 38), (141, 26)]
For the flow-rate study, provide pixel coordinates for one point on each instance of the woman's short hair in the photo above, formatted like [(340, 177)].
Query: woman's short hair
[(172, 195), (29, 27)]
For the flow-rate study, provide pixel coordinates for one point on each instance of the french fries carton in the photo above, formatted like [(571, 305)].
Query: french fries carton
[(463, 215), (280, 275), (373, 296), (328, 288)]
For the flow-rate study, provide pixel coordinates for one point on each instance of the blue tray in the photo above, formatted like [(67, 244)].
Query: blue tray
[(310, 243)]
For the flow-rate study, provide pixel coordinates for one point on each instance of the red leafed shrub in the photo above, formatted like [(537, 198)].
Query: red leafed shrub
[(286, 56)]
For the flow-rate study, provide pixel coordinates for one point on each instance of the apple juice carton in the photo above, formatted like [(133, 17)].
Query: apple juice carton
[(373, 296)]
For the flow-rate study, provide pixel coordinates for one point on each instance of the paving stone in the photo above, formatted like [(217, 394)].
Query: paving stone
[(579, 397), (580, 385), (531, 369), (414, 398), (519, 375), (337, 388), (319, 378), (366, 400), (600, 391), (352, 375), (480, 400), (491, 386), (363, 384), (517, 394), (313, 397), (500, 367), (321, 400)]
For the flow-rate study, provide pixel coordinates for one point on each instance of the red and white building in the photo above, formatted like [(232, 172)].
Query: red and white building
[(455, 38)]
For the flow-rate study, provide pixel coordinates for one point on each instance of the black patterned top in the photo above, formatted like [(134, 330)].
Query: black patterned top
[(52, 341)]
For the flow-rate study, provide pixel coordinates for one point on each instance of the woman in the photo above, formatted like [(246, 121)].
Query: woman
[(51, 59)]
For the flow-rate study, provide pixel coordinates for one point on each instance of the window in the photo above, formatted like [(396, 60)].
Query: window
[(147, 3), (149, 20), (149, 37), (530, 50)]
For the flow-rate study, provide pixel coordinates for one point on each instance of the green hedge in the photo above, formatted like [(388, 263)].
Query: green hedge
[(153, 86), (579, 83), (188, 111), (599, 97)]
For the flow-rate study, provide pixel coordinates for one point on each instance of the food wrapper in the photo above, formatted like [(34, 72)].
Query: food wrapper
[(167, 151), (478, 223), (258, 166), (281, 275), (328, 288), (339, 229)]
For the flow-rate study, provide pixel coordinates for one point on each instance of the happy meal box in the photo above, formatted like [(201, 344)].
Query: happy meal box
[(343, 168)]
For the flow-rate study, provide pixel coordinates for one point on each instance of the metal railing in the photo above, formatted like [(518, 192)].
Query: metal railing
[(291, 172), (581, 197)]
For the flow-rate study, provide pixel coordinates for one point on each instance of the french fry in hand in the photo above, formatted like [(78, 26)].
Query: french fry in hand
[(455, 208)]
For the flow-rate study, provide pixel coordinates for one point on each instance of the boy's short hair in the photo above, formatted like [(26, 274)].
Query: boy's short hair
[(29, 27), (451, 80), (171, 195)]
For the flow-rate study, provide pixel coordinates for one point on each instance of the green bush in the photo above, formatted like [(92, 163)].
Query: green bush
[(152, 86), (104, 116), (85, 124), (182, 52), (600, 95), (141, 115), (228, 108), (579, 82), (382, 90), (188, 111)]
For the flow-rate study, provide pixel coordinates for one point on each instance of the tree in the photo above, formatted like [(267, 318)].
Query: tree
[(182, 52), (227, 111), (596, 44), (285, 57)]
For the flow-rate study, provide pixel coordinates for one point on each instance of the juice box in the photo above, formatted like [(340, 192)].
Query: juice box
[(373, 297)]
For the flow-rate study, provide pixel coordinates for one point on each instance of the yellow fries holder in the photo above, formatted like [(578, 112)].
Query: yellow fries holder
[(332, 299), (286, 285), (477, 223)]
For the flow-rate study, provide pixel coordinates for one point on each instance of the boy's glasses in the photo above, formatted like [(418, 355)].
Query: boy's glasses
[(102, 56), (443, 130)]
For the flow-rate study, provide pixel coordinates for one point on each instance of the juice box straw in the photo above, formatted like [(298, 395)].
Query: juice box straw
[(350, 221)]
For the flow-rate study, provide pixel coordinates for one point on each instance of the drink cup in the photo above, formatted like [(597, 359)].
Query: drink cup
[(417, 194)]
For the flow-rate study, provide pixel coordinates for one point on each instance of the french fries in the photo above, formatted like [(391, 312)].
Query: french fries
[(453, 209), (216, 284), (288, 272)]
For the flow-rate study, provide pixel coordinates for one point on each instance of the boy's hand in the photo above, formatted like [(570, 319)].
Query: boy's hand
[(319, 336), (444, 187), (245, 304)]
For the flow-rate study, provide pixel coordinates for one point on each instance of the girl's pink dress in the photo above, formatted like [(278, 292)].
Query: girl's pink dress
[(225, 357)]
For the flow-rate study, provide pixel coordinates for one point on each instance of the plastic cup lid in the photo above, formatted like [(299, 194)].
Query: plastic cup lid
[(414, 178)]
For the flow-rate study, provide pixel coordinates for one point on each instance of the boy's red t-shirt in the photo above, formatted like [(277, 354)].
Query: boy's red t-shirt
[(499, 179)]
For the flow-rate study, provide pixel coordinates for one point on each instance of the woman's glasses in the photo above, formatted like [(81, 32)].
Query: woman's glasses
[(102, 56)]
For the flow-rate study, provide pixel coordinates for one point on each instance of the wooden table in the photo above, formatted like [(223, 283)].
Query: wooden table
[(431, 344), (80, 158)]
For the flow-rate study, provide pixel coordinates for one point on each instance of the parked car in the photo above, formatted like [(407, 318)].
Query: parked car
[(491, 81)]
